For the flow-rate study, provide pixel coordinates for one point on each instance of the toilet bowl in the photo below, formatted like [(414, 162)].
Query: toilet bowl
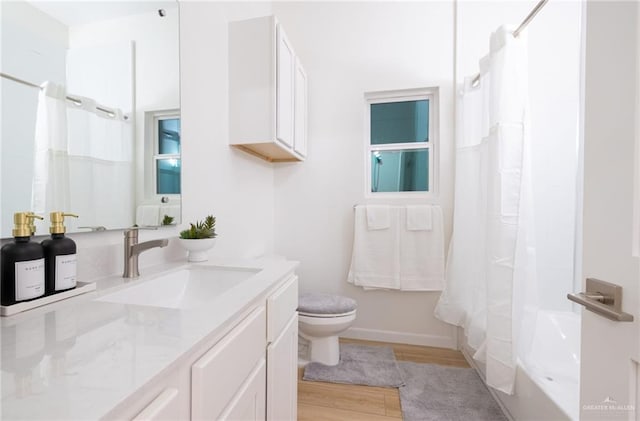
[(321, 318)]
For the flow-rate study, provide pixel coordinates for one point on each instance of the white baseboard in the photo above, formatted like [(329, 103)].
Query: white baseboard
[(400, 337)]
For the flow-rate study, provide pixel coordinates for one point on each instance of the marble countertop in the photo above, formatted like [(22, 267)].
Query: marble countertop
[(79, 358)]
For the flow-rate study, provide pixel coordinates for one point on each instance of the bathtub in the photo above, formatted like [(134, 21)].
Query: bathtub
[(548, 376)]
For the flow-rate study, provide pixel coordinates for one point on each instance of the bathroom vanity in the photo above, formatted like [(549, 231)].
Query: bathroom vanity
[(182, 342)]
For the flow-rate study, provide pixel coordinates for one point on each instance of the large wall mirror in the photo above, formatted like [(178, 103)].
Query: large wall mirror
[(90, 113)]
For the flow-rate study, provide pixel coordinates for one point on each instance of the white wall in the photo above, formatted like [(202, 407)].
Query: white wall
[(347, 49), (234, 186), (554, 75)]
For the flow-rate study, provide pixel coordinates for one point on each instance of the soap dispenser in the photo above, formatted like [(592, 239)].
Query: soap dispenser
[(60, 256), (22, 263)]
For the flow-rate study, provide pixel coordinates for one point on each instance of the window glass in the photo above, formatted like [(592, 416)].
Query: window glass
[(400, 122), (400, 170), (169, 136), (168, 176)]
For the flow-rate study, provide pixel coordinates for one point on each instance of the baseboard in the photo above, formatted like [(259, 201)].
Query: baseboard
[(400, 337)]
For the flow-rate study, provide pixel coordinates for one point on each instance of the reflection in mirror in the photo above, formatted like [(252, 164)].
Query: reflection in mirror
[(91, 115)]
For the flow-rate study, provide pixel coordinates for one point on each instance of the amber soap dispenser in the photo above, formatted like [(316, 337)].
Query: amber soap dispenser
[(60, 256), (22, 263)]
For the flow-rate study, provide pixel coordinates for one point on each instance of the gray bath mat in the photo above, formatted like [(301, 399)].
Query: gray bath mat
[(359, 364), (437, 393)]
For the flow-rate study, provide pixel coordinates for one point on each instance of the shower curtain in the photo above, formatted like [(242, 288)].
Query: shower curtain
[(83, 160), (50, 183), (491, 265)]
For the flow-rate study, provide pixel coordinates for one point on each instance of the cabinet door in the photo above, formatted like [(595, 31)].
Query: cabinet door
[(285, 64), (282, 374), (300, 115), (249, 403), (218, 375), (164, 407)]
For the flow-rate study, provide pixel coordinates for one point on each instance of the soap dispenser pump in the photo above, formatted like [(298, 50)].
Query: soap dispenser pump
[(22, 263), (60, 256)]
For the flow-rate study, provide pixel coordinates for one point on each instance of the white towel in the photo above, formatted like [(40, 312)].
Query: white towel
[(419, 218), (148, 216), (378, 217), (422, 257), (375, 259)]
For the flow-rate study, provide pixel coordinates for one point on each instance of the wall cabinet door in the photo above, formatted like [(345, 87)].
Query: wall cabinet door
[(300, 114), (282, 374), (285, 65)]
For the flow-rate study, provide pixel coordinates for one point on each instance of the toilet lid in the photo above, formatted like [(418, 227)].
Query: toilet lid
[(318, 303)]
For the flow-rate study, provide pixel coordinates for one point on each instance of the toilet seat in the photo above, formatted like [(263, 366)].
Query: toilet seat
[(324, 315)]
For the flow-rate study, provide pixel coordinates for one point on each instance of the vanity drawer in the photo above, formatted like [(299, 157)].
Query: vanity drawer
[(280, 306), (217, 376)]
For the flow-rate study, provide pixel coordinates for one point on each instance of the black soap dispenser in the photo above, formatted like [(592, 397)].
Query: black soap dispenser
[(60, 257), (22, 263)]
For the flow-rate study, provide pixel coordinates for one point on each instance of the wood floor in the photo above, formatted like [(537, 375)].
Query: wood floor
[(341, 402)]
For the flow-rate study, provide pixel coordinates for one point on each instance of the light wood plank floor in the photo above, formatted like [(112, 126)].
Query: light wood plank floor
[(319, 401)]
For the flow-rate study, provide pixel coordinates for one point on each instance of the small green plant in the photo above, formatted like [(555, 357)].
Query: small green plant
[(167, 220), (201, 229)]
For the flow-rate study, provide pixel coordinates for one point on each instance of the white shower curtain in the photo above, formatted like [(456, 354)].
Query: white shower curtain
[(83, 161), (491, 264), (50, 183)]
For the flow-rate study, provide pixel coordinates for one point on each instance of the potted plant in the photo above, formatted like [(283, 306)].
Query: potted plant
[(198, 238)]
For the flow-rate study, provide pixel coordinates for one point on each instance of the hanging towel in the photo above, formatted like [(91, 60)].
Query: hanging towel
[(378, 217), (375, 260), (422, 252), (148, 216), (419, 218)]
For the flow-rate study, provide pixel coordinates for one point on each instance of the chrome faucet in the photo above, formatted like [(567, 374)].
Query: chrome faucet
[(132, 249)]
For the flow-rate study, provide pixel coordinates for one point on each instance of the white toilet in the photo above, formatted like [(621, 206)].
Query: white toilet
[(321, 318)]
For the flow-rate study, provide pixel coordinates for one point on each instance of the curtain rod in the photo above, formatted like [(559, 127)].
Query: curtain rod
[(76, 101), (519, 29)]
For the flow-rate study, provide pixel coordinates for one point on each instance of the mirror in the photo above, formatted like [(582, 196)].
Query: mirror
[(90, 113)]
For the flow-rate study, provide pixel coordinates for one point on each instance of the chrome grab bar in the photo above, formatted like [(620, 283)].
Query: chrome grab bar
[(602, 298)]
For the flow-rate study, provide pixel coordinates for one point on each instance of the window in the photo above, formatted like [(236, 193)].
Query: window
[(401, 139), (167, 154)]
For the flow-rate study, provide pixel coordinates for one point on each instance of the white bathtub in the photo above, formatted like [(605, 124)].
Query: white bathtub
[(554, 361), (548, 377)]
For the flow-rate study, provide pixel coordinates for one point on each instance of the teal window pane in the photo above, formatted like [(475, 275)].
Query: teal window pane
[(400, 122), (168, 176), (400, 170), (169, 136)]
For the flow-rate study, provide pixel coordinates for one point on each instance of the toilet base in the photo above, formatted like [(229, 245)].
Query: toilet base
[(325, 350)]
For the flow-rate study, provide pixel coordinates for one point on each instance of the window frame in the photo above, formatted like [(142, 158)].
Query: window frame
[(156, 117), (416, 94)]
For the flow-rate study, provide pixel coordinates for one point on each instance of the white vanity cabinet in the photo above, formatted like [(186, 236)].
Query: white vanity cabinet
[(245, 371), (282, 352), (267, 92)]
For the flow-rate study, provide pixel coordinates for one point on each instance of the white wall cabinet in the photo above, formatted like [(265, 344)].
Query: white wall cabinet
[(248, 372), (300, 110), (267, 90)]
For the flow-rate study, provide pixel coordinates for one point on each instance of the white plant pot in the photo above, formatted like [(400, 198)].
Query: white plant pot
[(197, 249)]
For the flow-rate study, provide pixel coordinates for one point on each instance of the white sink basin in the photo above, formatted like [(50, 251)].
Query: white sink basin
[(185, 288)]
